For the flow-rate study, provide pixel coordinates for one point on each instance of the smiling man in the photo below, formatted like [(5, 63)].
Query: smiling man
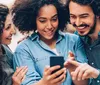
[(85, 17)]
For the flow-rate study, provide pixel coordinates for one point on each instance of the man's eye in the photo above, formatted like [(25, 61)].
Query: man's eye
[(84, 16), (73, 17)]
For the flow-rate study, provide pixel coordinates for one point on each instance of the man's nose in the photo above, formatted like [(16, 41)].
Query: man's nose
[(78, 22)]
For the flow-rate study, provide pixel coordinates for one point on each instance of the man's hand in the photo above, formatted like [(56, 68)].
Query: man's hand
[(80, 71), (69, 64), (84, 71), (72, 66)]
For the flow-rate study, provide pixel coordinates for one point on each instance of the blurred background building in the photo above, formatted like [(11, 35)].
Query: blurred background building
[(7, 2)]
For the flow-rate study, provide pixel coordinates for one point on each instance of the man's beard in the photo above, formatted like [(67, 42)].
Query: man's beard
[(92, 30)]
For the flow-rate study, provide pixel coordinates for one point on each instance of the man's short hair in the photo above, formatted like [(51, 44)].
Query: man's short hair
[(94, 4)]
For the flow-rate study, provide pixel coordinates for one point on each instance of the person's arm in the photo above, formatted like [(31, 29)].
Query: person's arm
[(81, 57), (83, 71), (72, 65)]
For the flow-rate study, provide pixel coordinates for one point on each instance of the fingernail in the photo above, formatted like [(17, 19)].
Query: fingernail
[(16, 67), (64, 69), (78, 79), (26, 66), (73, 78), (82, 78), (70, 51), (47, 66)]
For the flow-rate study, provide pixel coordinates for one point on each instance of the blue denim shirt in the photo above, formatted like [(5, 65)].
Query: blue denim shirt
[(35, 54)]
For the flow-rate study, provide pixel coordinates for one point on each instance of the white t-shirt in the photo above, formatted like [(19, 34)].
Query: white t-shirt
[(55, 51)]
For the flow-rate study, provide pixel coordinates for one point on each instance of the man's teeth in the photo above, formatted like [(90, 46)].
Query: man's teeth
[(81, 27)]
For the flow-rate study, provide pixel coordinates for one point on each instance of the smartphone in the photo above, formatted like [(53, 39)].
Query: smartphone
[(57, 60)]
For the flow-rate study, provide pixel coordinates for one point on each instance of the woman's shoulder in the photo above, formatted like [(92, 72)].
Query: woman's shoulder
[(24, 45), (28, 41)]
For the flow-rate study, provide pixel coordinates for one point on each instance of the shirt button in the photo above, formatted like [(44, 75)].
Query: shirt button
[(92, 63), (90, 48), (98, 81)]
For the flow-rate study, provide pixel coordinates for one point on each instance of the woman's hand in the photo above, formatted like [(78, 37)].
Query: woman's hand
[(19, 75), (56, 78)]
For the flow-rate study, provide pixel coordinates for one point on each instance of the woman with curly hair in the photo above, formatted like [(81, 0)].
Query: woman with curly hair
[(47, 18), (7, 74)]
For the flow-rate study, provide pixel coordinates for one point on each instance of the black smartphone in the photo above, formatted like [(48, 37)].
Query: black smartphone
[(57, 60)]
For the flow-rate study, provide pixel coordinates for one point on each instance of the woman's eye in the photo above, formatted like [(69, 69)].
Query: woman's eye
[(8, 27), (42, 21), (55, 19)]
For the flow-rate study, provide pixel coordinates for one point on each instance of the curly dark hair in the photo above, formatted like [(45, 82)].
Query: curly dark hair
[(3, 14), (25, 12), (94, 4), (98, 7)]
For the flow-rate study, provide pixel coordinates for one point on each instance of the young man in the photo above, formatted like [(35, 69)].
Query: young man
[(84, 16)]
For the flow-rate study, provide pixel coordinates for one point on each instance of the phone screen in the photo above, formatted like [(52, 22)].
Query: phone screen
[(57, 60)]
